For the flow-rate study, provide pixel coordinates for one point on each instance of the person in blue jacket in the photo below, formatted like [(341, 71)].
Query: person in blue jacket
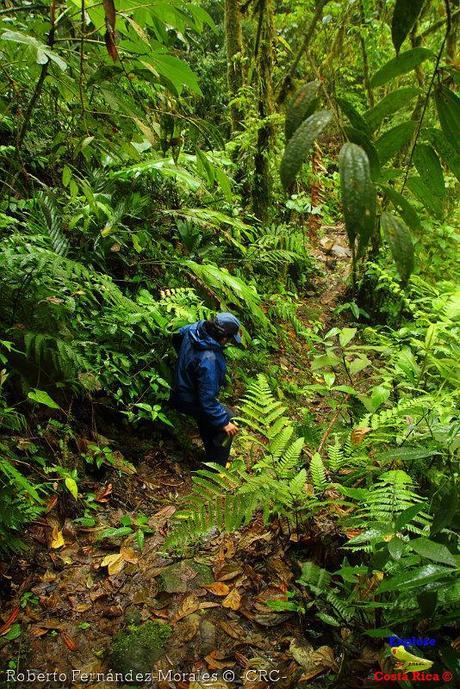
[(198, 378)]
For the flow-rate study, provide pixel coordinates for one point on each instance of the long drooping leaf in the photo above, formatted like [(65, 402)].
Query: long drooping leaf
[(445, 150), (110, 21), (393, 102), (404, 208), (44, 52), (354, 117), (358, 194), (400, 241), (423, 576), (393, 140), (300, 145), (424, 194), (402, 64), (405, 15), (433, 551), (448, 107), (360, 138), (429, 168), (304, 102)]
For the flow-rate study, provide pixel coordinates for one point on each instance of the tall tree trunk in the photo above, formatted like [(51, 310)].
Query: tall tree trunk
[(235, 69), (362, 42), (454, 35), (261, 191)]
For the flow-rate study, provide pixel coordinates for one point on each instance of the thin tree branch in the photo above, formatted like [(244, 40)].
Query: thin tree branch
[(309, 34), (437, 25), (24, 9), (428, 93)]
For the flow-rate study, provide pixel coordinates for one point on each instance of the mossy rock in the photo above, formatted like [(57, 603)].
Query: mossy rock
[(137, 649), (184, 576)]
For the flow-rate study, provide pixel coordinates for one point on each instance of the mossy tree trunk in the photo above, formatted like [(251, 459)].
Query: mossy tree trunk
[(261, 189), (235, 63), (454, 35)]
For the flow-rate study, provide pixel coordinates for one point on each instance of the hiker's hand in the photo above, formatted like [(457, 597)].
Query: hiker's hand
[(231, 429)]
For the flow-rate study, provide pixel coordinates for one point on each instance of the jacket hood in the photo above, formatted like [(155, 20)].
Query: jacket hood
[(201, 340)]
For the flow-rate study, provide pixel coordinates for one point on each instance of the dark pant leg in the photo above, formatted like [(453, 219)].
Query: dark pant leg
[(217, 443)]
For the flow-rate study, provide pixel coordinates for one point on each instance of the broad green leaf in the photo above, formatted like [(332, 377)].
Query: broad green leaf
[(405, 15), (359, 195), (177, 72), (300, 144), (407, 516), (301, 106), (446, 510), (13, 633), (429, 168), (402, 64), (44, 52), (360, 138), (66, 175), (427, 601), (424, 194), (42, 397), (114, 532), (404, 208), (358, 365), (394, 139), (393, 102), (328, 619), (346, 335), (448, 107), (404, 454), (419, 577), (447, 152), (356, 120), (71, 486), (379, 395), (433, 551), (400, 241), (396, 547)]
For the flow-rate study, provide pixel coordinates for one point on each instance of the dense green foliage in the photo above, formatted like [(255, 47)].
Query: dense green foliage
[(158, 164)]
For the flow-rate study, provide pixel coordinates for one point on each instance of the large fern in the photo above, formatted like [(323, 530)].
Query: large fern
[(275, 483), (43, 219), (381, 505)]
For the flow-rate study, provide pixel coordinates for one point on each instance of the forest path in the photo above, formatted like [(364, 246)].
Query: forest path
[(85, 589)]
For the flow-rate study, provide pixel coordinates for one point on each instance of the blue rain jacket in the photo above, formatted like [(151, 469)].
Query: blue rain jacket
[(200, 373)]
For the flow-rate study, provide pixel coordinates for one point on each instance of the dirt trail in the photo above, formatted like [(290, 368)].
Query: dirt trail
[(214, 597)]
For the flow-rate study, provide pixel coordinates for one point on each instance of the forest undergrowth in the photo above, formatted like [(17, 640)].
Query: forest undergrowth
[(297, 164)]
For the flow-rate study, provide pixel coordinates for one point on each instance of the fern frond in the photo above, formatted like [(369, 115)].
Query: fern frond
[(318, 473)]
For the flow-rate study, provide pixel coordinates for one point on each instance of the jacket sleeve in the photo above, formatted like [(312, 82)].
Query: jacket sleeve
[(177, 339), (208, 389)]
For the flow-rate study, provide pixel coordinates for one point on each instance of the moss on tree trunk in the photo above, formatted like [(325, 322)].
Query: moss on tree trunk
[(235, 64), (261, 190)]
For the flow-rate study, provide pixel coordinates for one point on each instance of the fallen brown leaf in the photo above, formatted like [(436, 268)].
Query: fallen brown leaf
[(57, 539), (233, 629), (227, 573), (114, 563), (51, 503), (216, 663), (103, 495), (69, 642), (5, 628), (129, 555), (232, 601), (189, 604), (218, 588), (358, 435)]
